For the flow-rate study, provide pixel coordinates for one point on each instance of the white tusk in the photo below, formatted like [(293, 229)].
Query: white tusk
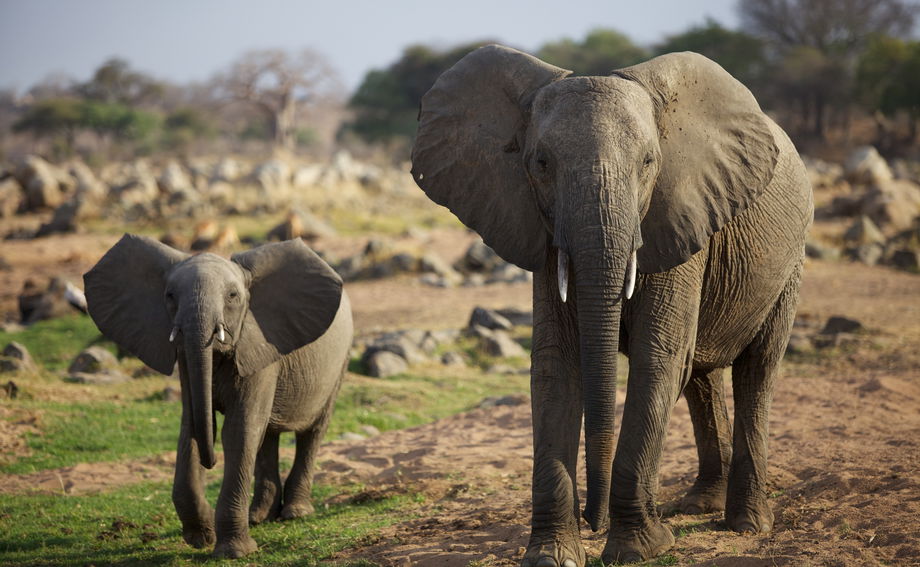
[(562, 271), (220, 333), (172, 335), (630, 276)]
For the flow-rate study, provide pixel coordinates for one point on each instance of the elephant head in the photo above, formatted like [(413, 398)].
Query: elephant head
[(161, 304), (631, 171)]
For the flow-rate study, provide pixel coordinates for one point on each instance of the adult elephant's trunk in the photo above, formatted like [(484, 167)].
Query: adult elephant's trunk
[(601, 245), (200, 360)]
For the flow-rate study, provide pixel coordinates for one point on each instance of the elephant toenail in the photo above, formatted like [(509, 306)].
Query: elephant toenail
[(547, 561), (569, 563)]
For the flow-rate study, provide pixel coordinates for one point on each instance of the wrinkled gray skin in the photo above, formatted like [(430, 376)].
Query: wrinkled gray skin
[(672, 159), (263, 338)]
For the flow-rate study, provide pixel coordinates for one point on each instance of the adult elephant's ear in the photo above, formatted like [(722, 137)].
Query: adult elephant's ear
[(124, 297), (467, 155), (293, 298), (718, 154)]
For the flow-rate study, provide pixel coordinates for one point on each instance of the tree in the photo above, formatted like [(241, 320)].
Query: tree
[(888, 81), (385, 105), (116, 82), (821, 41), (275, 82), (739, 53), (602, 51)]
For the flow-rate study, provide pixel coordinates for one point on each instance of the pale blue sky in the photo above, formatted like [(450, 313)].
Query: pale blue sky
[(190, 40)]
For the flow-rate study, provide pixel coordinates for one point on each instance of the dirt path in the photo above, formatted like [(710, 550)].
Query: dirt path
[(845, 437)]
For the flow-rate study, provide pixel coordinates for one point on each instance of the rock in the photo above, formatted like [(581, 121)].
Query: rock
[(906, 259), (64, 220), (479, 258), (36, 304), (799, 343), (11, 390), (453, 359), (300, 224), (517, 317), (88, 186), (840, 324), (474, 280), (11, 197), (350, 436), (370, 430), (509, 400), (170, 394), (477, 331), (864, 165), (434, 264), (488, 319), (864, 231), (96, 365), (500, 344), (16, 358), (383, 364), (435, 280), (822, 173), (836, 340), (274, 181), (869, 254), (227, 170), (44, 184), (94, 359), (174, 179), (400, 345), (892, 204), (508, 273), (819, 251)]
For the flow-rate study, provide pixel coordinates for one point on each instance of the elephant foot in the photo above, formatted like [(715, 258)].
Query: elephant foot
[(634, 545), (296, 510), (555, 553), (259, 514), (199, 537), (703, 498), (236, 548), (750, 517)]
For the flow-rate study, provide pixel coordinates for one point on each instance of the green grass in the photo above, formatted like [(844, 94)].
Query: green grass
[(53, 344), (137, 525), (96, 432)]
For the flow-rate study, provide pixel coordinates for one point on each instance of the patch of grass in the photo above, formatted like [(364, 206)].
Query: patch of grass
[(137, 525), (53, 344), (93, 432), (414, 398), (666, 560)]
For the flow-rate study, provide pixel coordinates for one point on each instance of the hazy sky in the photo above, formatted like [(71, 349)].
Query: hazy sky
[(189, 40)]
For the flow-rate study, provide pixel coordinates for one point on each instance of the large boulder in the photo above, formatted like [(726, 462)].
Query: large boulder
[(16, 358), (96, 365), (383, 364), (479, 258), (892, 204)]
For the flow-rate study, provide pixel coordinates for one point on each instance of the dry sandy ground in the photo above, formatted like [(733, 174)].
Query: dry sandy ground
[(845, 438)]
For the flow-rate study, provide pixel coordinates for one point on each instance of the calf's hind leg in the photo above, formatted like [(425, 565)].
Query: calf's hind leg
[(299, 483), (266, 501)]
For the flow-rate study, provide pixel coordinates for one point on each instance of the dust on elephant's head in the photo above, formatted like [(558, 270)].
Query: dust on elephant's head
[(163, 305), (518, 148)]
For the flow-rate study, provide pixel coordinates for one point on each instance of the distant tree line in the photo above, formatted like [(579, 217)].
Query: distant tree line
[(823, 68), (815, 64)]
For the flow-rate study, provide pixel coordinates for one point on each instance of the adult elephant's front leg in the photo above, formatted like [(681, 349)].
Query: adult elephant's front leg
[(662, 323), (557, 411)]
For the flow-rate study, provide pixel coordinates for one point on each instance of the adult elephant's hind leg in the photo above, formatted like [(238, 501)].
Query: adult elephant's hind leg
[(266, 500), (705, 397), (555, 539), (753, 375)]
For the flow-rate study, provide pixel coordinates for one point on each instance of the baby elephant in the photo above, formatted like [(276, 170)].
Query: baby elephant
[(263, 338)]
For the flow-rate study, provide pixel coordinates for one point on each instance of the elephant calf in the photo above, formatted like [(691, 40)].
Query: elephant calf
[(263, 338)]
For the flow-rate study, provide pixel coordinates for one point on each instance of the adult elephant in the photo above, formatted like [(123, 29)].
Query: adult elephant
[(679, 212)]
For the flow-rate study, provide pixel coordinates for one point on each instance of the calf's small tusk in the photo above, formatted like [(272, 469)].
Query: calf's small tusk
[(220, 333), (630, 276), (172, 335), (562, 271)]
